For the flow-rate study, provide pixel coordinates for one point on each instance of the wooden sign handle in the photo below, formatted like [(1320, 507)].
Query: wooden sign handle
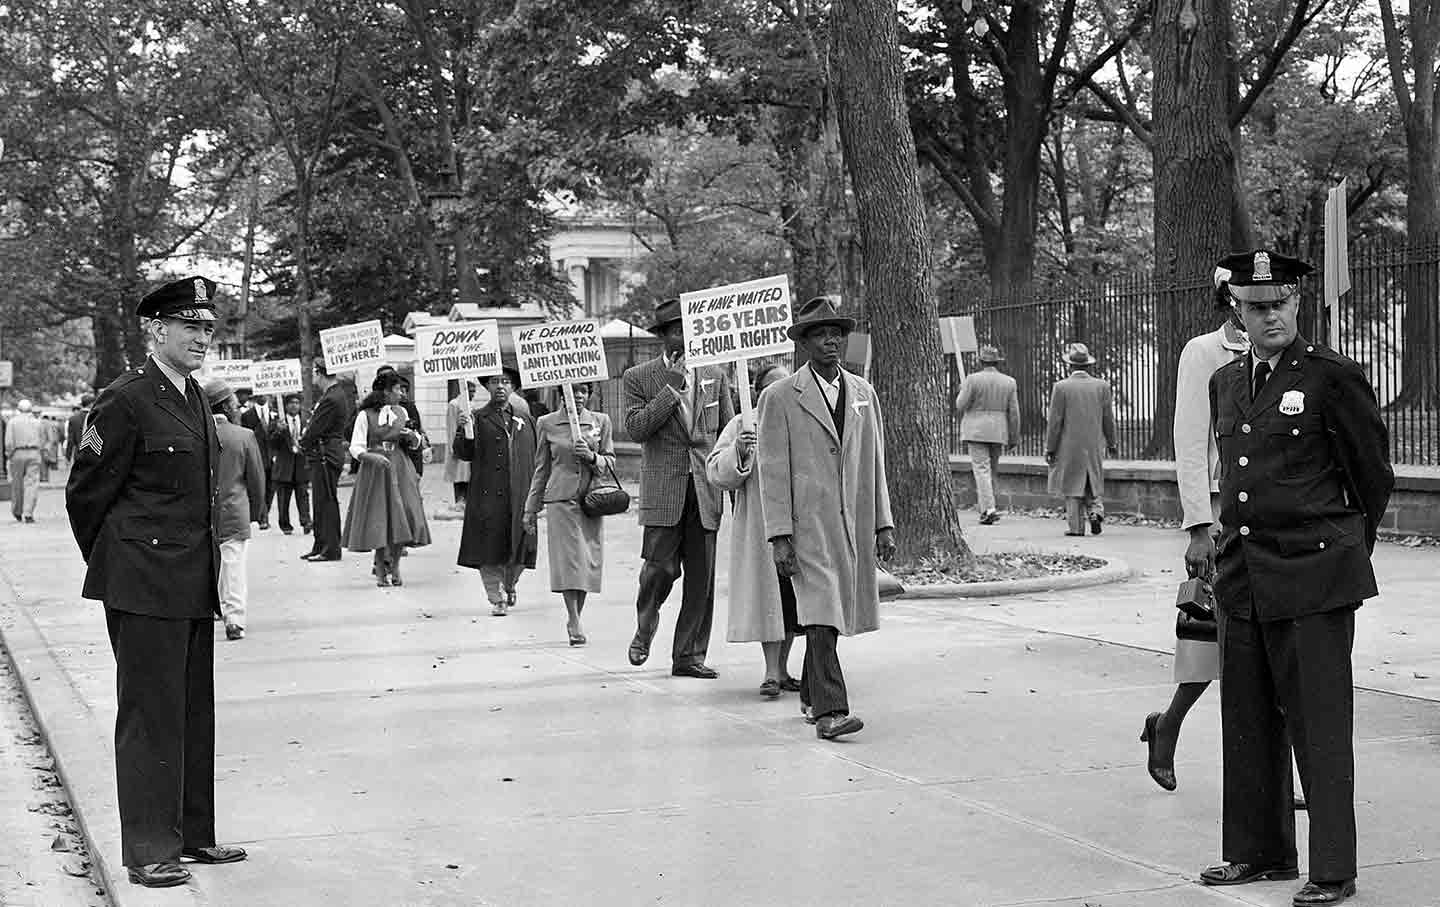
[(747, 407), (569, 393)]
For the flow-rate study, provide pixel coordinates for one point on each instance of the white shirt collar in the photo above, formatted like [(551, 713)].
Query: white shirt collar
[(1273, 360), (832, 385), (175, 377)]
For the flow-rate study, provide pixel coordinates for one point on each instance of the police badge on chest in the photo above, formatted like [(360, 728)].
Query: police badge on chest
[(1293, 403)]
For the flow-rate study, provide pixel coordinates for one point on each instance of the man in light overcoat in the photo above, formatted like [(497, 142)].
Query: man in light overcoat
[(1079, 431), (989, 408), (676, 414), (825, 505)]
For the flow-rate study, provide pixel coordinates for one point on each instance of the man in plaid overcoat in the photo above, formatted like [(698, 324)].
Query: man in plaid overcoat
[(676, 415)]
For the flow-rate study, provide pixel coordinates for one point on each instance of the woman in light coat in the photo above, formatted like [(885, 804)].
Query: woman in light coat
[(564, 468), (762, 603)]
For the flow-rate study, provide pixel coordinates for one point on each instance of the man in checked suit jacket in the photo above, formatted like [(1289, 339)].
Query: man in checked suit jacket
[(676, 416)]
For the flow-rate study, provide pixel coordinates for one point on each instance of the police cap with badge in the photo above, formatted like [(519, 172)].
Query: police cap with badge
[(1259, 276), (190, 299)]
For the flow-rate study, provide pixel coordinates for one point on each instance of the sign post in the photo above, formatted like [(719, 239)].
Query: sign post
[(957, 335), (1337, 257), (350, 347), (736, 323), (561, 353)]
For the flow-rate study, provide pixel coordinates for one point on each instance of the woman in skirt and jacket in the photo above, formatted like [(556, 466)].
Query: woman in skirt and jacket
[(564, 469), (386, 513)]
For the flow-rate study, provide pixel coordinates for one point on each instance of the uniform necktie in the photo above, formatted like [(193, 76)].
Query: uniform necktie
[(1262, 372)]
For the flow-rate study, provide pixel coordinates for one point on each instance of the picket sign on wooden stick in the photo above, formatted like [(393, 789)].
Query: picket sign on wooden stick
[(568, 390)]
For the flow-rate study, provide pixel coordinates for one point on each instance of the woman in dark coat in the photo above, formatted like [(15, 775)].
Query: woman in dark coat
[(499, 442)]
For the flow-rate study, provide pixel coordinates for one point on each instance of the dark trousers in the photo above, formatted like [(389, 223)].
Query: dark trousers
[(326, 481), (1293, 674), (269, 495), (462, 490), (822, 683), (686, 548), (301, 491), (164, 734)]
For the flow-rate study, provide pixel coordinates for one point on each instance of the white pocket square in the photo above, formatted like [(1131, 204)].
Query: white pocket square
[(858, 404)]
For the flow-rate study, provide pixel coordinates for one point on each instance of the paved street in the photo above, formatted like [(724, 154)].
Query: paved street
[(402, 747)]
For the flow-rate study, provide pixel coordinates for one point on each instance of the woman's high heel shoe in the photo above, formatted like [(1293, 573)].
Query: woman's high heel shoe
[(576, 637), (1161, 771)]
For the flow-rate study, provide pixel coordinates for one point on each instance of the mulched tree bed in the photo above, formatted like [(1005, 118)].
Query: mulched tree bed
[(988, 568)]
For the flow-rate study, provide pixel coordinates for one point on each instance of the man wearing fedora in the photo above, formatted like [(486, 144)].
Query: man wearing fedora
[(989, 408), (676, 414), (1305, 478), (141, 500), (1079, 431), (825, 504)]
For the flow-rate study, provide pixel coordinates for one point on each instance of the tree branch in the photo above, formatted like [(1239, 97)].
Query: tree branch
[(1299, 19)]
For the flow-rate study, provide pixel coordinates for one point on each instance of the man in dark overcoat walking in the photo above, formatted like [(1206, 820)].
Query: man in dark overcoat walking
[(326, 445), (676, 413), (141, 500), (498, 441), (1305, 479)]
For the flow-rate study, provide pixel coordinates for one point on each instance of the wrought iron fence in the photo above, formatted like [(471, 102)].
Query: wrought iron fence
[(1389, 324)]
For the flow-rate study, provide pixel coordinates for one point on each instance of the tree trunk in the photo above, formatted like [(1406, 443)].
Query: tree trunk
[(304, 190), (1195, 181), (1420, 328), (880, 152)]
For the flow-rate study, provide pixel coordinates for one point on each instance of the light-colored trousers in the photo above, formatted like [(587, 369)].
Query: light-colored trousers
[(500, 579), (984, 463), (234, 589), (24, 481), (1079, 510)]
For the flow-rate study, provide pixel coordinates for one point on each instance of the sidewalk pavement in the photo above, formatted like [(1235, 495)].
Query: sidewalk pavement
[(402, 747)]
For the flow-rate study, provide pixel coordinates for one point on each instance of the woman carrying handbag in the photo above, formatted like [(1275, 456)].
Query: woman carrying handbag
[(565, 470)]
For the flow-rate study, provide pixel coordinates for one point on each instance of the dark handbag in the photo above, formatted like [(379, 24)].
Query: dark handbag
[(604, 500), (1195, 619)]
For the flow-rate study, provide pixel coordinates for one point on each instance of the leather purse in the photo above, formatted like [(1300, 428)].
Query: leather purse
[(1195, 619), (604, 500)]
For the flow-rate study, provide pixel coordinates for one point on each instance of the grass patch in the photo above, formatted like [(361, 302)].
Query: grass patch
[(987, 568)]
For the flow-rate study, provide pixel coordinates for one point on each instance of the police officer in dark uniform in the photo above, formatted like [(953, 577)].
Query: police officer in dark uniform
[(1305, 478), (141, 499)]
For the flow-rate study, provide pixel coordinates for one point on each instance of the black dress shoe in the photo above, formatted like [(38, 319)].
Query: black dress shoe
[(704, 672), (1161, 771), (309, 557), (321, 557), (264, 524), (218, 853), (159, 875), (1244, 873), (1323, 893), (832, 726)]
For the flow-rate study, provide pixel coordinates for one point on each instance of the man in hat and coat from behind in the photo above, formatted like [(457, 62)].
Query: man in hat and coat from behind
[(826, 506), (1079, 431), (240, 478), (1305, 478), (989, 409), (24, 438), (141, 500), (677, 414)]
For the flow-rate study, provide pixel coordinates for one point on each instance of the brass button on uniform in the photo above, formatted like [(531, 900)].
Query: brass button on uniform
[(154, 541), (1244, 461), (1322, 546), (1295, 431), (1245, 428), (1244, 530), (170, 449), (1244, 496)]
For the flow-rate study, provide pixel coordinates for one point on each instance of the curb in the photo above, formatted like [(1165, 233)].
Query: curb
[(1114, 571)]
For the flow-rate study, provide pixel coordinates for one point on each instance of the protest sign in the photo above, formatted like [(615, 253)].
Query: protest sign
[(561, 352), (737, 321), (276, 376), (234, 372), (353, 346), (457, 350)]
